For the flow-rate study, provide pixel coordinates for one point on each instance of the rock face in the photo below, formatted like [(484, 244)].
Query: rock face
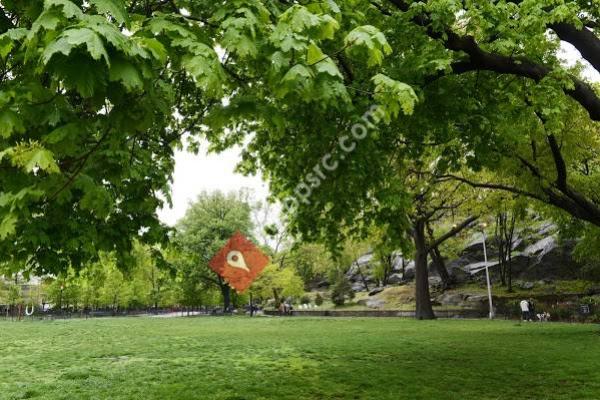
[(361, 271), (537, 255)]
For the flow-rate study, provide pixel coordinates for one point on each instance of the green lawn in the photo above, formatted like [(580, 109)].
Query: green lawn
[(296, 358)]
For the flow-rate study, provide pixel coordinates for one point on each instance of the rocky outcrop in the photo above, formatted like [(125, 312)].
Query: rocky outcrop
[(538, 254)]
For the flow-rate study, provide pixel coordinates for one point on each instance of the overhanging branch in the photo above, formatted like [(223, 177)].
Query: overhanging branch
[(452, 232)]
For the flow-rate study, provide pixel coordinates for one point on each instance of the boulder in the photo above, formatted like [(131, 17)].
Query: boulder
[(358, 287), (476, 301), (409, 271), (435, 281), (541, 247), (364, 264), (526, 285), (395, 279), (375, 303), (450, 299), (550, 259), (547, 228), (398, 262)]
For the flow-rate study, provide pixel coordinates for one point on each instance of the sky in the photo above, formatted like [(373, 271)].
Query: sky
[(209, 172)]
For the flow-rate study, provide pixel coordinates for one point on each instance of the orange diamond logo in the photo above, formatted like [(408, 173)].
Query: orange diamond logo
[(239, 262)]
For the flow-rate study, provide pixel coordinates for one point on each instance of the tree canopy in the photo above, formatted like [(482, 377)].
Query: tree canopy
[(330, 100)]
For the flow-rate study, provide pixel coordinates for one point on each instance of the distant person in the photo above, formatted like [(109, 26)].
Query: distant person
[(282, 308), (531, 307), (524, 310)]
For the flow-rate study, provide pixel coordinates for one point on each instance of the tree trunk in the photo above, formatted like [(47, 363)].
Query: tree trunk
[(424, 308), (440, 267), (500, 238), (226, 292), (509, 275)]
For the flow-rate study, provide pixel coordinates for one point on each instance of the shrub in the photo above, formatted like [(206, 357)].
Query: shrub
[(341, 290), (319, 299), (562, 313), (305, 299)]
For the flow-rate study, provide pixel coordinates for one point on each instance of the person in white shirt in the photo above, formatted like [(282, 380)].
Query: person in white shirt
[(524, 309)]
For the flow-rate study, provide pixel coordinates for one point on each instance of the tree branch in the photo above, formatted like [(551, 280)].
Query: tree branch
[(481, 60), (559, 163), (452, 232), (583, 39), (495, 186)]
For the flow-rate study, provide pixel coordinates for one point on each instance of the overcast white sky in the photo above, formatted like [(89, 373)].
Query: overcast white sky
[(197, 173)]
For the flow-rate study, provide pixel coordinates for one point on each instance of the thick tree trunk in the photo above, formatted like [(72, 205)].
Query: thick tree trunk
[(226, 292), (423, 298), (440, 267)]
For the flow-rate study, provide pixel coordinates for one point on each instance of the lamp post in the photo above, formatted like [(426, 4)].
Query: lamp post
[(487, 272)]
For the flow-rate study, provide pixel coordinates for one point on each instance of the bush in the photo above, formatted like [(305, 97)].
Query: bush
[(305, 299), (341, 290), (319, 299), (562, 313)]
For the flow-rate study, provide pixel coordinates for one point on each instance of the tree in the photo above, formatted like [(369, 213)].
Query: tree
[(311, 261), (341, 289), (349, 255), (278, 283), (504, 237), (485, 54), (151, 277), (116, 292), (206, 227)]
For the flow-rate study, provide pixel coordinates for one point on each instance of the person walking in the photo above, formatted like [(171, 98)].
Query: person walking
[(524, 310)]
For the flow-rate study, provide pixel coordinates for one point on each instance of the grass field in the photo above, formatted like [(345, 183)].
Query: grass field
[(295, 358)]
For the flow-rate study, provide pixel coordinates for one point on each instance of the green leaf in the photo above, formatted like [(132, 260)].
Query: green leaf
[(370, 40), (7, 226), (42, 159), (394, 96), (279, 60), (86, 76), (73, 38), (69, 9), (161, 25), (125, 72), (155, 48), (10, 122), (8, 39), (329, 67), (204, 66), (297, 72), (333, 6), (108, 31), (328, 27), (115, 8), (33, 156), (314, 54), (47, 20), (63, 132)]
